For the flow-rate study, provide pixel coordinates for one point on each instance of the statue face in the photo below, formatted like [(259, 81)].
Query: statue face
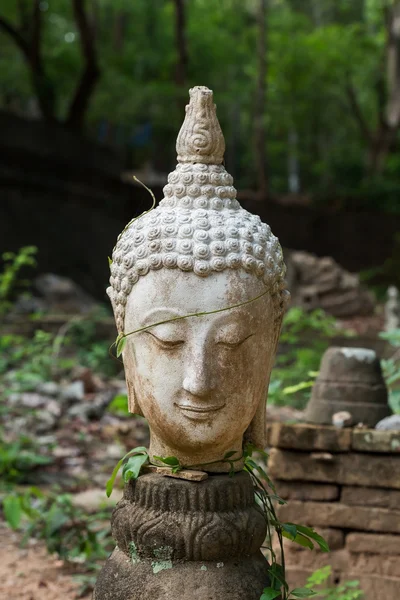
[(199, 380)]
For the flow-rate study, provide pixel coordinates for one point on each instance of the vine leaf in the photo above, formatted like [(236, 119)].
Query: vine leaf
[(171, 461), (110, 483), (309, 532), (229, 454), (12, 511), (270, 594), (121, 342), (131, 468), (303, 593)]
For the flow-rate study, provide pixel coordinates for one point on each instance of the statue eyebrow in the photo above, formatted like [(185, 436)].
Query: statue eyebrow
[(167, 315), (122, 337)]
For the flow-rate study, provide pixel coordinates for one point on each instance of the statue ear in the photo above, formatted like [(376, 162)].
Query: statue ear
[(133, 404), (256, 432)]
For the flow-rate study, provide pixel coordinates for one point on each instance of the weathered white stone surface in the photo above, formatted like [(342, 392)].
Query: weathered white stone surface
[(201, 381)]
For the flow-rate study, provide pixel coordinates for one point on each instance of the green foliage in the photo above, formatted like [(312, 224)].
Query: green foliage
[(66, 529), (24, 362), (119, 406), (377, 278), (135, 458), (348, 590), (10, 282), (305, 337), (391, 368), (91, 351), (19, 457), (333, 44)]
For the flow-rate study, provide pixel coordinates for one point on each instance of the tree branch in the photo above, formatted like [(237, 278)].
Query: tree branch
[(180, 36), (16, 36), (36, 35), (356, 110), (91, 73)]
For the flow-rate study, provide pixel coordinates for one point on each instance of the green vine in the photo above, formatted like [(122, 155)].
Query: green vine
[(137, 458)]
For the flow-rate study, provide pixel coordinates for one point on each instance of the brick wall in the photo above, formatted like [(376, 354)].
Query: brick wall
[(346, 484)]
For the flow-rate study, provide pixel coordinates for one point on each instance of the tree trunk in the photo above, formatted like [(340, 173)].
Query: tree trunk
[(386, 134), (91, 72), (261, 94), (182, 52)]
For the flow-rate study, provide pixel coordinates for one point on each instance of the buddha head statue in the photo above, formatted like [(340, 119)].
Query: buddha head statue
[(201, 283)]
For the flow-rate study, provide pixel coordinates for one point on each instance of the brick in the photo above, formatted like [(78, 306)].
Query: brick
[(346, 469), (308, 437), (344, 562), (338, 515), (373, 440), (301, 490), (377, 543), (363, 496), (375, 587)]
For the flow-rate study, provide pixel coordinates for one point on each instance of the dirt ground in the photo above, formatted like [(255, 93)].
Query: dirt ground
[(30, 573)]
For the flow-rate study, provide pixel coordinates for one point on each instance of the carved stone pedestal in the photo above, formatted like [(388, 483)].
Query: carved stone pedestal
[(186, 540)]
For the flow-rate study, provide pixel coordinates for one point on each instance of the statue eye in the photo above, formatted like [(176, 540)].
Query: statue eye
[(165, 343), (233, 343)]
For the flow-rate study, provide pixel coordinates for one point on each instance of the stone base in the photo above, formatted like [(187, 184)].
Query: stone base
[(185, 540), (121, 579)]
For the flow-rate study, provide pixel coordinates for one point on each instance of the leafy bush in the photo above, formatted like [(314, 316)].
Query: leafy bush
[(25, 362), (9, 277), (348, 590), (67, 530), (18, 458), (391, 368), (305, 337)]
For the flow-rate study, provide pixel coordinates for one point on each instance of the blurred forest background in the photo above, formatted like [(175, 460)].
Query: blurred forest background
[(308, 91)]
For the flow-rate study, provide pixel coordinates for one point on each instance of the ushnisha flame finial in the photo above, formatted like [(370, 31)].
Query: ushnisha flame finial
[(200, 139)]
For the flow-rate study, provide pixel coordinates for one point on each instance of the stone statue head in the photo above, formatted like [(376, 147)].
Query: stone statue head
[(200, 380)]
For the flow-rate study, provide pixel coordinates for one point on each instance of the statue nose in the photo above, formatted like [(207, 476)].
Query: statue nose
[(198, 379)]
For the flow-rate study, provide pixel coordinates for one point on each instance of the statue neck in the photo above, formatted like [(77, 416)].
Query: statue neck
[(208, 460)]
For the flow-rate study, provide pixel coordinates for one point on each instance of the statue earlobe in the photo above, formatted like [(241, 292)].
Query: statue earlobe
[(133, 404), (256, 433)]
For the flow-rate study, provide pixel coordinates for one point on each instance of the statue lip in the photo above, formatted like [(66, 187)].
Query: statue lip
[(200, 410)]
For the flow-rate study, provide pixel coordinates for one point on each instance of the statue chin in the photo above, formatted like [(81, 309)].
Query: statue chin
[(200, 381)]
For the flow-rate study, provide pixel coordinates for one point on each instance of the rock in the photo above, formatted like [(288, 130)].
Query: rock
[(392, 309), (342, 419), (322, 283), (283, 414), (48, 388), (94, 409), (92, 383), (373, 542), (346, 469), (95, 499), (54, 408), (42, 421), (187, 474), (362, 496), (74, 392), (392, 422), (376, 440), (62, 295), (29, 400), (350, 380), (339, 515), (301, 490), (302, 436)]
